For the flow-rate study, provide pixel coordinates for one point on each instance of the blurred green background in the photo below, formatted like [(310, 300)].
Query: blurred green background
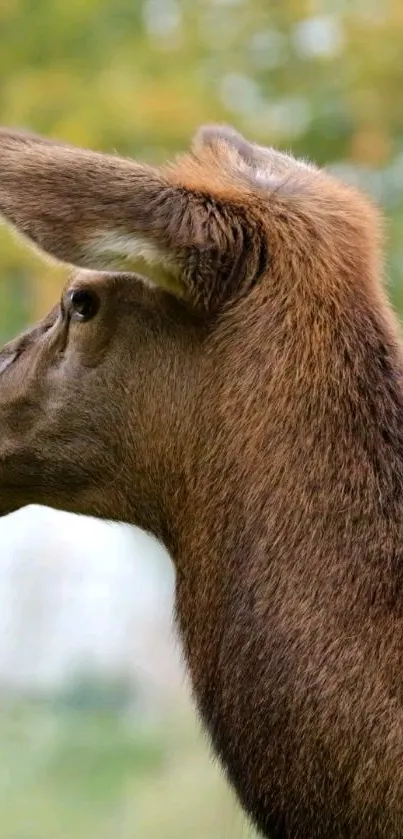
[(323, 79)]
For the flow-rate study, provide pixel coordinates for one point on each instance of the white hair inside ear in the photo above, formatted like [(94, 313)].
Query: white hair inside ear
[(135, 253)]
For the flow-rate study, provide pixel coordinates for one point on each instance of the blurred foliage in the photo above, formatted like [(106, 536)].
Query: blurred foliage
[(91, 691), (321, 77), (92, 774)]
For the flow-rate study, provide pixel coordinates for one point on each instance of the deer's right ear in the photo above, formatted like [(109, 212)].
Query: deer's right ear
[(190, 226)]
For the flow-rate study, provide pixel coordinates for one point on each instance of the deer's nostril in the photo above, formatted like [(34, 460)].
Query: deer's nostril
[(84, 303)]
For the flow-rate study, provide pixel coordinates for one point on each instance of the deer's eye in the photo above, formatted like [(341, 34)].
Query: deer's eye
[(84, 304)]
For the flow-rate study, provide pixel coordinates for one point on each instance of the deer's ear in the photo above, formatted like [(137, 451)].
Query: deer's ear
[(263, 165), (192, 225)]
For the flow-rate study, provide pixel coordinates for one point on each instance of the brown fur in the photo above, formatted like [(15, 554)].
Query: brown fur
[(252, 420)]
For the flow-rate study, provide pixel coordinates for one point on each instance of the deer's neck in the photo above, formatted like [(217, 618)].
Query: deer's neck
[(293, 532)]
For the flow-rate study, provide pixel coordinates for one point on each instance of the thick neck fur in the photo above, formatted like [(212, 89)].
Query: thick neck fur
[(290, 563)]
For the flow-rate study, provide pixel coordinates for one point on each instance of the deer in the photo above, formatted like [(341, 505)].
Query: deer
[(225, 371)]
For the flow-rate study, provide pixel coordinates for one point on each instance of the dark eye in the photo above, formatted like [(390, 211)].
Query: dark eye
[(84, 304)]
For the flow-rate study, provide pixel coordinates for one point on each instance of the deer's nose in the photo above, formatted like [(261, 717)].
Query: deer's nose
[(6, 359)]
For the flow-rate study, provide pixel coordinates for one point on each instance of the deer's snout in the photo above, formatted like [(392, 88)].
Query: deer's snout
[(6, 360)]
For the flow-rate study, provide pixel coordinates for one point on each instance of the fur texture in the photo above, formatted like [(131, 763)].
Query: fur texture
[(250, 416)]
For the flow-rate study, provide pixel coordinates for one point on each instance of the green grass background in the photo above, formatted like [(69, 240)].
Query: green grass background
[(98, 774)]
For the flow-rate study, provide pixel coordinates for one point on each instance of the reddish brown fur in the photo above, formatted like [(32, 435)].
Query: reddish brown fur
[(253, 422)]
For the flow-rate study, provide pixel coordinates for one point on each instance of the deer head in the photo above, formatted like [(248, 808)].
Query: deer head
[(240, 397), (85, 394), (103, 397)]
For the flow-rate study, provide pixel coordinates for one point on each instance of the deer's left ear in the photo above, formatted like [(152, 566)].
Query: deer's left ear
[(263, 164), (193, 226)]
